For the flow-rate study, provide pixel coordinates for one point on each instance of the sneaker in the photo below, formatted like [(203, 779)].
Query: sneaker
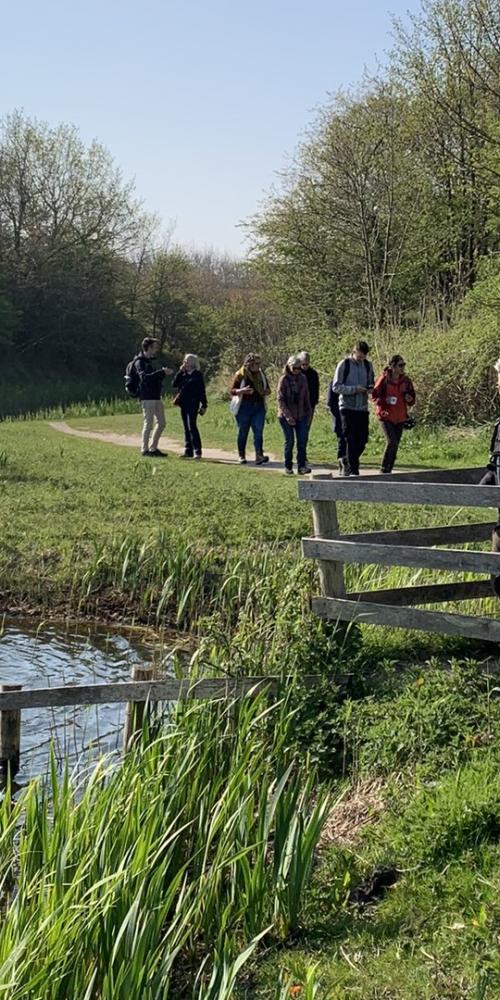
[(185, 455), (158, 454), (242, 460), (146, 454), (288, 472), (261, 459), (198, 455), (303, 471)]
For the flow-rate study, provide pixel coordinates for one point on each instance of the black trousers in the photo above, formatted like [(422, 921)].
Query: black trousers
[(355, 429), (392, 434), (192, 443)]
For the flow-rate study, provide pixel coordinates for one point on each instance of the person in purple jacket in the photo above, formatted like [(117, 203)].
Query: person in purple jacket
[(294, 414)]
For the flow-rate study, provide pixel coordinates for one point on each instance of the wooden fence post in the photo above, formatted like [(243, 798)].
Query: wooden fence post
[(134, 716), (10, 735), (326, 525)]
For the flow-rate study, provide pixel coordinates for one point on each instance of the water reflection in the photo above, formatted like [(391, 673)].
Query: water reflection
[(51, 657)]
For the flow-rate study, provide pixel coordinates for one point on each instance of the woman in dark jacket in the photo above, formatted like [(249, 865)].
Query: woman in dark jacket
[(192, 399), (294, 414)]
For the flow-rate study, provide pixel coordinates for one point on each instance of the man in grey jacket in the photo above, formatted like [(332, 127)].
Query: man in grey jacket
[(353, 381)]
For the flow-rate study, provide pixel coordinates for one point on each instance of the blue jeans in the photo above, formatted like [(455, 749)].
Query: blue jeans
[(299, 432), (250, 416)]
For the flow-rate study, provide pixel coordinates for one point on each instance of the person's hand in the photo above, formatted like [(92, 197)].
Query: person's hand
[(291, 421), (246, 391), (362, 389), (409, 399), (203, 410), (168, 371)]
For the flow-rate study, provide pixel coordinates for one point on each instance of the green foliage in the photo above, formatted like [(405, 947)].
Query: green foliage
[(162, 875), (426, 717)]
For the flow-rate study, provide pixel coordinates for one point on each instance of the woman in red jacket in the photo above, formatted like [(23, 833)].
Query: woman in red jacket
[(393, 393)]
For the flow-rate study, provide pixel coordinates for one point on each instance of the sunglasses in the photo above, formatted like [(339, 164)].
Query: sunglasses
[(296, 368)]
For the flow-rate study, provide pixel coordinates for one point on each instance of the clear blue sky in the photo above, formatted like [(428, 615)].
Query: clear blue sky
[(198, 101)]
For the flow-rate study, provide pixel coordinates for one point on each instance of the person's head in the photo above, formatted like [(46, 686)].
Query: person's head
[(191, 362), (150, 347), (396, 364), (253, 362), (294, 365), (304, 359), (360, 350)]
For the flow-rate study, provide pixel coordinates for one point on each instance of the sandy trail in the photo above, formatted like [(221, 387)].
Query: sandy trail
[(170, 444)]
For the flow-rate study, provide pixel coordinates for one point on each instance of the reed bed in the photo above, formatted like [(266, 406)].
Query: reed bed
[(162, 877)]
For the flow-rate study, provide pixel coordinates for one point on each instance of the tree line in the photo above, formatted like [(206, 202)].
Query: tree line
[(387, 222), (390, 206)]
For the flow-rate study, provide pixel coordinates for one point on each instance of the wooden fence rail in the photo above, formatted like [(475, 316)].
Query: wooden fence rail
[(412, 547), (137, 694)]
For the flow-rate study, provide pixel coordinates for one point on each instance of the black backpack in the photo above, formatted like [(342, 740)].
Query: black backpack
[(132, 378), (332, 398)]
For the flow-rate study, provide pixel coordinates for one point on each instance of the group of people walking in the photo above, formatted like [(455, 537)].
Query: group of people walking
[(191, 398), (352, 386)]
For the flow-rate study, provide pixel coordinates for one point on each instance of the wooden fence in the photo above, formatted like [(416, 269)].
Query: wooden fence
[(413, 547), (137, 693)]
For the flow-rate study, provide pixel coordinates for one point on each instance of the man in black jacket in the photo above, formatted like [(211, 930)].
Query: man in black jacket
[(313, 386), (151, 384)]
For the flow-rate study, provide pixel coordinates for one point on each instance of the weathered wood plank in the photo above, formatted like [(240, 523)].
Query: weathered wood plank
[(433, 593), (391, 491), (471, 476), (167, 690), (408, 618), (457, 560), (326, 525), (479, 531), (10, 734)]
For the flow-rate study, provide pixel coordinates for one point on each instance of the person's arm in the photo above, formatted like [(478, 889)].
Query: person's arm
[(340, 387), (282, 400), (410, 395), (379, 387), (144, 376), (178, 379), (314, 389), (307, 398), (267, 390), (370, 377), (203, 392)]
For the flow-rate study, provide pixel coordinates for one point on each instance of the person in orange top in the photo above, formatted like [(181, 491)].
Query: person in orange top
[(393, 393)]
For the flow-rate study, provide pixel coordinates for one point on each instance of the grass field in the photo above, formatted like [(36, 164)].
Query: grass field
[(411, 744)]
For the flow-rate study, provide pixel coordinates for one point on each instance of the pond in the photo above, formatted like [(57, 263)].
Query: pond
[(50, 656)]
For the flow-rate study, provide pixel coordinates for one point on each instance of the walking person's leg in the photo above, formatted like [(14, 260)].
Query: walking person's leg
[(148, 410), (308, 431), (258, 421), (243, 419), (288, 435), (159, 413), (188, 441), (195, 434), (349, 427), (301, 433), (392, 434)]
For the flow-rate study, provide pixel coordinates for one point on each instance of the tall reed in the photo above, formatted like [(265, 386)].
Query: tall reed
[(161, 877)]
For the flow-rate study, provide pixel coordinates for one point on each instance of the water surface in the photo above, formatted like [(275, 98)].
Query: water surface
[(50, 656)]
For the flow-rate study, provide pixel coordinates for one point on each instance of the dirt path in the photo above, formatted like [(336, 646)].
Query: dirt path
[(171, 444)]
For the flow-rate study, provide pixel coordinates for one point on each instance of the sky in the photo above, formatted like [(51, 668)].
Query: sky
[(200, 103)]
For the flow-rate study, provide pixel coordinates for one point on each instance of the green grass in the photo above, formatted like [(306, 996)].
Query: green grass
[(90, 527)]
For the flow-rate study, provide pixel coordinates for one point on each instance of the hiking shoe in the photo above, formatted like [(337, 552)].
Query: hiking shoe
[(242, 460), (288, 472), (304, 470), (198, 455), (185, 455), (261, 459), (146, 454), (158, 454)]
